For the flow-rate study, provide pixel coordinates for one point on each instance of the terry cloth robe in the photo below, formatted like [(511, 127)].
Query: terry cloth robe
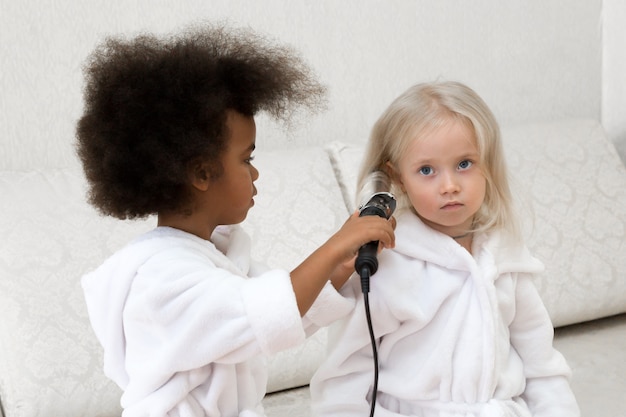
[(185, 330), (457, 335)]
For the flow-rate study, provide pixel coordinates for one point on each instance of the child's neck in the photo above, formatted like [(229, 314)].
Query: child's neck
[(465, 240), (187, 223)]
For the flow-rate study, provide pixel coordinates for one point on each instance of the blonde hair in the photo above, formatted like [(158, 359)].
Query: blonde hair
[(425, 107)]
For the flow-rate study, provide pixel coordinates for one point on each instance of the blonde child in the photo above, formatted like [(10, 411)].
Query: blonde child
[(168, 130), (460, 328)]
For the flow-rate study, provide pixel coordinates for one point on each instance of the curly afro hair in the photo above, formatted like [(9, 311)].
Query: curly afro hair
[(153, 106)]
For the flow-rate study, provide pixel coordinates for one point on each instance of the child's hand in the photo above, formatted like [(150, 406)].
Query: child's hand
[(334, 260), (356, 232)]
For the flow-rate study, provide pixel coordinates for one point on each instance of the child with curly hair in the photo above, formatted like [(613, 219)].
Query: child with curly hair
[(182, 312), (460, 329)]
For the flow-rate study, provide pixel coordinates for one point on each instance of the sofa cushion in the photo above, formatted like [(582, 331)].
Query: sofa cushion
[(572, 186), (50, 361)]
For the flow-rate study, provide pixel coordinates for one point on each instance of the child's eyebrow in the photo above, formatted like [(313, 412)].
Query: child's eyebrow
[(470, 155), (431, 160), (249, 149)]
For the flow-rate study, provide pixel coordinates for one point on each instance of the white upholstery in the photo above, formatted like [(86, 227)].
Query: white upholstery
[(50, 361)]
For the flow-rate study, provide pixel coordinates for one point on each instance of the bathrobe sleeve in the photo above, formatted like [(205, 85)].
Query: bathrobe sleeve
[(342, 385), (328, 307), (547, 393), (184, 312)]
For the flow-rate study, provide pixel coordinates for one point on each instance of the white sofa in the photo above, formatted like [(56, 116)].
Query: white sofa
[(50, 363), (543, 68)]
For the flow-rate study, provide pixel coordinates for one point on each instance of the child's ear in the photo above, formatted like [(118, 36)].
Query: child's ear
[(393, 174), (199, 175)]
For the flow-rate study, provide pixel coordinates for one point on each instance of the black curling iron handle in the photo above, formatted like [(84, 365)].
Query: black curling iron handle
[(366, 263)]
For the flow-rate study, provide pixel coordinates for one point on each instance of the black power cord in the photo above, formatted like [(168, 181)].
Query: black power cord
[(366, 264), (380, 204), (365, 275)]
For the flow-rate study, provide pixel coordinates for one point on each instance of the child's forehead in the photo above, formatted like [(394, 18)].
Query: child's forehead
[(241, 131), (443, 140)]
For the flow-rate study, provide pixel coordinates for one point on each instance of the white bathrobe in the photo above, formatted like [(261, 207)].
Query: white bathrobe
[(457, 335), (185, 330)]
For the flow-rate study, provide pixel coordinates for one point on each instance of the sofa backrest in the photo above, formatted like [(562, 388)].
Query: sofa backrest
[(531, 61)]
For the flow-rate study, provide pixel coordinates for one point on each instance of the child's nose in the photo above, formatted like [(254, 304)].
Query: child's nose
[(449, 183)]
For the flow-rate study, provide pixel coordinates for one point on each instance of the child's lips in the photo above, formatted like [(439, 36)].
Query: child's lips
[(452, 205)]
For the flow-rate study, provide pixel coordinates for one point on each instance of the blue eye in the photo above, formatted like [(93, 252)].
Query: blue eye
[(465, 164), (426, 171)]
